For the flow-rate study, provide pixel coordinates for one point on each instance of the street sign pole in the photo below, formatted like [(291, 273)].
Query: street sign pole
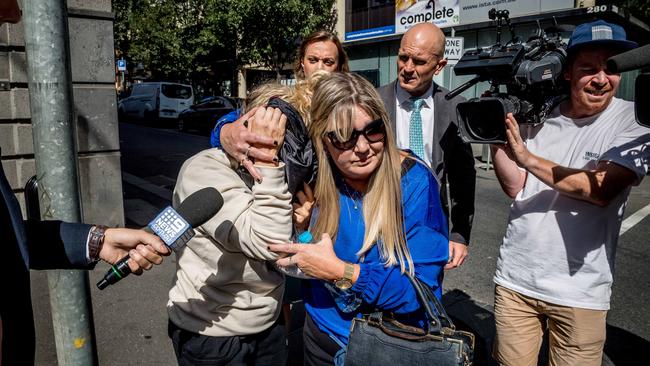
[(121, 68)]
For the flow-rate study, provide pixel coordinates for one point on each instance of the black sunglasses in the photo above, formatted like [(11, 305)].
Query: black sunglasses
[(375, 131)]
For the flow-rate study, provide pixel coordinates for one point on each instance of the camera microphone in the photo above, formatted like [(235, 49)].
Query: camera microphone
[(630, 60), (637, 58), (174, 227)]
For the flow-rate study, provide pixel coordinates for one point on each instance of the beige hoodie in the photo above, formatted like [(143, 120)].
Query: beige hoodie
[(225, 284)]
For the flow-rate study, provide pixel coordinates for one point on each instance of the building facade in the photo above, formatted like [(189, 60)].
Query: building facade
[(371, 30)]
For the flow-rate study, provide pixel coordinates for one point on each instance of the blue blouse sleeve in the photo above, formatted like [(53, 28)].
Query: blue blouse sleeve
[(427, 238), (215, 139)]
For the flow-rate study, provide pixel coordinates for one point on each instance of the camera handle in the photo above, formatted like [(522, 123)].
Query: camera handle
[(464, 87), (502, 16)]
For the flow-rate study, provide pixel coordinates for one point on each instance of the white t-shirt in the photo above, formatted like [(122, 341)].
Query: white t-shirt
[(403, 117), (559, 249)]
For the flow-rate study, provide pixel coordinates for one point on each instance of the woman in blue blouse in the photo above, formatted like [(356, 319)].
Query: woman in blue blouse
[(377, 236)]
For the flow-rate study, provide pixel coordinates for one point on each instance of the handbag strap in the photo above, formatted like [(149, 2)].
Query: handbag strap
[(442, 313), (437, 315)]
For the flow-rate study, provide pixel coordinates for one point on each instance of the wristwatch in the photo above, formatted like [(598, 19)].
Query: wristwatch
[(95, 241), (346, 282)]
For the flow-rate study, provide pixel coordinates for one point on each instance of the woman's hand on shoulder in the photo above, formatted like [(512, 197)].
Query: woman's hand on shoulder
[(269, 122), (237, 140)]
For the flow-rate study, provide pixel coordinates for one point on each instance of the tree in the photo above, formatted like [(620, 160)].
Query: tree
[(196, 40), (151, 32), (271, 30)]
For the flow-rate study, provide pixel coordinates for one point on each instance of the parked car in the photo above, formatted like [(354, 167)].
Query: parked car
[(202, 116), (154, 101)]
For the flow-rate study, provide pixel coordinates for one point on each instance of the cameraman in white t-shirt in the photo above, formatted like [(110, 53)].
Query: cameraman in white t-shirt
[(570, 178)]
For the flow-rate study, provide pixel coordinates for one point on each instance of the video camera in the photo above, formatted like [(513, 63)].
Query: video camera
[(530, 71)]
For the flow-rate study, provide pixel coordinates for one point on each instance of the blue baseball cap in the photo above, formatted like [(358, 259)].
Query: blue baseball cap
[(599, 33)]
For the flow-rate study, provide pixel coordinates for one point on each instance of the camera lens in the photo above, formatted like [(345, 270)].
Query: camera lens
[(482, 120)]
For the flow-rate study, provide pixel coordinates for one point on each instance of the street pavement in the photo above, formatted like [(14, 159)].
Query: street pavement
[(130, 317)]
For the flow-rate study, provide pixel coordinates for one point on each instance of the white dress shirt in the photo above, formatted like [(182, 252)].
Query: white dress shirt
[(403, 116)]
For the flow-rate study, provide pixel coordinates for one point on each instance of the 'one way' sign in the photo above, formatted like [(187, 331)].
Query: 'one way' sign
[(453, 49)]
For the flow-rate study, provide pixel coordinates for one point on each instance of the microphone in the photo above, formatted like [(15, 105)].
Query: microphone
[(174, 227), (630, 60)]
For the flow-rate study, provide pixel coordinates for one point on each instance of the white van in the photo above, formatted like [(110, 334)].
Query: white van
[(156, 100)]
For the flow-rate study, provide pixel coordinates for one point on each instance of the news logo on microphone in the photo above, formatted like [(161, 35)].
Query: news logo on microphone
[(172, 228), (175, 228)]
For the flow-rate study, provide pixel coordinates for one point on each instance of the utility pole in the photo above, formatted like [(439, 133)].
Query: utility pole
[(52, 110)]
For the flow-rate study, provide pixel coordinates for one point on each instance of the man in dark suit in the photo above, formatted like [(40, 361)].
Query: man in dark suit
[(425, 122), (26, 245)]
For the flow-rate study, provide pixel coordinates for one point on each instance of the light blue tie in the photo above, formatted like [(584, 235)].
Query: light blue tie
[(415, 128)]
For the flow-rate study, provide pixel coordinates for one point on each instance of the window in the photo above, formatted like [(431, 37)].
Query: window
[(371, 75), (176, 91), (368, 14), (215, 104), (142, 89)]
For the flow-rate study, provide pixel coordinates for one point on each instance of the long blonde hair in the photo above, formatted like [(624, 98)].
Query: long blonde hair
[(299, 95), (334, 102)]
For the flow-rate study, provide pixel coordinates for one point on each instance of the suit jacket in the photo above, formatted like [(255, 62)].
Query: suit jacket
[(452, 160), (29, 245)]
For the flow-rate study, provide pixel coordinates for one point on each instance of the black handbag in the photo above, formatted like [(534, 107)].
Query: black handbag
[(379, 339)]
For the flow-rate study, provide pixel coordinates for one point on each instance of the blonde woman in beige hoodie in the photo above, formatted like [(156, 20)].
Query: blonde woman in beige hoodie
[(225, 301), (227, 295)]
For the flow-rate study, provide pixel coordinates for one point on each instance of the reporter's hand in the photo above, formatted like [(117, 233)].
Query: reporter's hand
[(237, 140), (145, 249), (302, 208)]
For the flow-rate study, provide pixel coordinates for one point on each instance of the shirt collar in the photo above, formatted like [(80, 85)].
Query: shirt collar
[(403, 96)]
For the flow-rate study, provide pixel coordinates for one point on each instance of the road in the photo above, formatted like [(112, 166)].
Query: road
[(131, 321)]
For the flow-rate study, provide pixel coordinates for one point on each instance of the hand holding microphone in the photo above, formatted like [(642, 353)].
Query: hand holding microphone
[(174, 227), (145, 249)]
